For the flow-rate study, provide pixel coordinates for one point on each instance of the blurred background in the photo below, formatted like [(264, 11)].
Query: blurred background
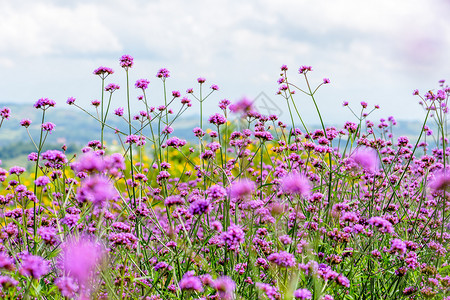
[(372, 51)]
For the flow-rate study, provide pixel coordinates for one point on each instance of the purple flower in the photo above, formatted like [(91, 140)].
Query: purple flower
[(5, 113), (173, 200), (103, 72), (70, 100), (80, 257), (112, 87), (200, 206), (126, 62), (44, 103), (243, 106), (48, 235), (89, 162), (34, 266), (201, 80), (270, 291), (42, 181), (119, 111), (282, 259), (441, 181), (189, 282), (295, 183), (142, 84), (233, 237), (225, 287), (6, 262), (7, 282), (54, 159), (383, 225), (163, 73), (217, 119), (304, 69), (366, 158), (398, 247), (48, 126), (67, 286), (302, 294), (326, 81), (17, 170), (25, 123), (96, 189), (215, 87), (242, 188)]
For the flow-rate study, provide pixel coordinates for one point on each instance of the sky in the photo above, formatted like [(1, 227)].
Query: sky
[(372, 51)]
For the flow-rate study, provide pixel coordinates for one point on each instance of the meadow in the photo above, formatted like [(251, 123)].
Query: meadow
[(254, 209)]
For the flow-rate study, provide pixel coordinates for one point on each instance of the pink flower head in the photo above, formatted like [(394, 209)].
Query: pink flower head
[(243, 106), (126, 61), (96, 189), (242, 188), (441, 181), (163, 73), (302, 294), (296, 184), (142, 84), (225, 287), (34, 266), (80, 257), (366, 158)]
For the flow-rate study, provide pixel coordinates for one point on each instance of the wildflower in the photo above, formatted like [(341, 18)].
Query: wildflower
[(214, 87), (201, 80), (282, 259), (6, 262), (48, 235), (96, 189), (163, 73), (48, 126), (302, 294), (126, 61), (44, 103), (383, 225), (25, 123), (95, 103), (242, 188), (366, 158), (89, 162), (142, 84), (200, 206), (270, 291), (67, 286), (80, 257), (173, 200), (42, 181), (225, 287), (17, 170), (34, 266), (176, 94), (70, 100), (7, 282), (296, 184), (103, 72), (217, 119), (189, 282), (112, 87), (119, 111), (398, 246), (326, 81), (233, 237), (304, 69), (441, 181), (242, 106)]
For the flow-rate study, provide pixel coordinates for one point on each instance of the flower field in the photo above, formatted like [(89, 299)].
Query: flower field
[(253, 209)]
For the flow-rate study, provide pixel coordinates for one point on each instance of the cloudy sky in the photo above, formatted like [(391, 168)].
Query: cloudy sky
[(373, 51)]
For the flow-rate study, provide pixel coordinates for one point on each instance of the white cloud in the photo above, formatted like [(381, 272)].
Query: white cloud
[(37, 29)]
